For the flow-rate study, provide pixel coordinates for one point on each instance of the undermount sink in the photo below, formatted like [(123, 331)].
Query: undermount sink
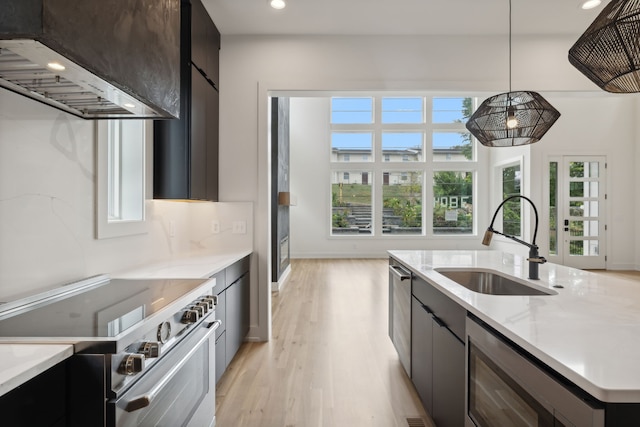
[(491, 283)]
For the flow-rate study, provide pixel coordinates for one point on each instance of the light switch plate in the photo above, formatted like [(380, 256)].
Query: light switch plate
[(239, 227)]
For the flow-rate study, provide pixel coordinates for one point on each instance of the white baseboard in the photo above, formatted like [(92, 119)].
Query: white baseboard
[(277, 286)]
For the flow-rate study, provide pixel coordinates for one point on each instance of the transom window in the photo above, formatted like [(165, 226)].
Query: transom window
[(402, 151)]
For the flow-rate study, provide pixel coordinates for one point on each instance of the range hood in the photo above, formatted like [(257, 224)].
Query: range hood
[(94, 58)]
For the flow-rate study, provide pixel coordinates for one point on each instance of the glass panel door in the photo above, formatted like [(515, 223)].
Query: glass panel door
[(580, 226)]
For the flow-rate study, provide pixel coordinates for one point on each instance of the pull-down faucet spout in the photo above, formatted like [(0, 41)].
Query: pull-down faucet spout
[(534, 258)]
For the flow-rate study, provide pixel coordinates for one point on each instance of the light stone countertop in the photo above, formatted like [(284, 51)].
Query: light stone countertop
[(21, 362), (589, 332), (185, 267)]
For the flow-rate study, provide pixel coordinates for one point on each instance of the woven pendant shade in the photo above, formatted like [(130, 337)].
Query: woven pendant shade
[(533, 113), (608, 52), (513, 118)]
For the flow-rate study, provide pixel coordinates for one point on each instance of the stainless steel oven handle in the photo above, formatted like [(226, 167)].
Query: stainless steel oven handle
[(145, 400)]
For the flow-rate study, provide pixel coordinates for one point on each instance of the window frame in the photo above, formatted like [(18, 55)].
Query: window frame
[(378, 166), (498, 179), (105, 227)]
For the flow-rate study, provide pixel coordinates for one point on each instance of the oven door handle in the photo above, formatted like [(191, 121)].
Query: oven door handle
[(145, 400)]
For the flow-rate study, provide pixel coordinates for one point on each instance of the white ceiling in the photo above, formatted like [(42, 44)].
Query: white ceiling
[(400, 17)]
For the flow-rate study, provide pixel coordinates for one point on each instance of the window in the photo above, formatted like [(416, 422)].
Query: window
[(121, 147), (403, 110), (351, 110), (351, 203), (345, 144), (553, 208), (453, 202), (402, 209), (393, 150), (512, 210)]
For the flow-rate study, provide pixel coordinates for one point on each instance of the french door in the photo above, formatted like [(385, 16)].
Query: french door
[(577, 227)]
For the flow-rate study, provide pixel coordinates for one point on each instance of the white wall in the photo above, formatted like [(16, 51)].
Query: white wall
[(252, 66), (47, 199)]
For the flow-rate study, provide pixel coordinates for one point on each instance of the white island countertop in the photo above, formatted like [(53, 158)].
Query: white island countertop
[(589, 332)]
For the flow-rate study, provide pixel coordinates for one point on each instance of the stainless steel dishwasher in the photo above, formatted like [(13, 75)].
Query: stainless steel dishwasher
[(400, 312)]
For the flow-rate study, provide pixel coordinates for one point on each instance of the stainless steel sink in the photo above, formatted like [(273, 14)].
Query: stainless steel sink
[(491, 283)]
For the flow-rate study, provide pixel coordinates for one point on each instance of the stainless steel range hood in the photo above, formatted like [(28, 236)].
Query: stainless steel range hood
[(94, 58)]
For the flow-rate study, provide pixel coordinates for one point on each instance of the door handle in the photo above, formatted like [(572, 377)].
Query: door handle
[(399, 272), (566, 225)]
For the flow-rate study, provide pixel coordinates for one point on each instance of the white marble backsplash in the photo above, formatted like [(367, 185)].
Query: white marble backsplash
[(47, 207)]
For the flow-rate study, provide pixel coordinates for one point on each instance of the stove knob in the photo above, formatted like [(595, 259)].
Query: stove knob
[(209, 300), (150, 349), (199, 309), (204, 305), (190, 316), (131, 364)]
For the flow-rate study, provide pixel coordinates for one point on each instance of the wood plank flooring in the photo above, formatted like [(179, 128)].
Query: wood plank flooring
[(330, 362)]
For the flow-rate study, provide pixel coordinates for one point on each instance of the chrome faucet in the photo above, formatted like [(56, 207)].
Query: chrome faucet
[(534, 258)]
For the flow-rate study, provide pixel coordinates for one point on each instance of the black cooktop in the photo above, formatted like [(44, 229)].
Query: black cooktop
[(105, 310)]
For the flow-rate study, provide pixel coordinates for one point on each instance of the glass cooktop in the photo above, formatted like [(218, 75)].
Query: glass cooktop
[(102, 311)]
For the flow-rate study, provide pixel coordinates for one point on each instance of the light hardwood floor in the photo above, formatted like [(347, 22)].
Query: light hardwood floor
[(330, 362)]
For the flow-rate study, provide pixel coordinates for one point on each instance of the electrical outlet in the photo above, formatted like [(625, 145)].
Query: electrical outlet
[(215, 226), (239, 227)]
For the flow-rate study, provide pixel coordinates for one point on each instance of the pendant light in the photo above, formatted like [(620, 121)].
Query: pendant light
[(512, 118), (608, 52)]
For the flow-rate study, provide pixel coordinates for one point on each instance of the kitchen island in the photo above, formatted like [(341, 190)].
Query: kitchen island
[(586, 330)]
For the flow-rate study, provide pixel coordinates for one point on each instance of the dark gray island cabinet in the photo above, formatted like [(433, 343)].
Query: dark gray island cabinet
[(438, 353), (455, 381)]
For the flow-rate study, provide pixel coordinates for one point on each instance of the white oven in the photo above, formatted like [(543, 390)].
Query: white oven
[(179, 390)]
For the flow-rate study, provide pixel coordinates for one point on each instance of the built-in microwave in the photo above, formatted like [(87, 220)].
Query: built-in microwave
[(508, 387)]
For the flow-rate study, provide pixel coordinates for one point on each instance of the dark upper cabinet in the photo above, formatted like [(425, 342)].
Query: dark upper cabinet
[(205, 42), (185, 158)]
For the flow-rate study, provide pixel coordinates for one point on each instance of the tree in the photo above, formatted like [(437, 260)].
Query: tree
[(467, 111)]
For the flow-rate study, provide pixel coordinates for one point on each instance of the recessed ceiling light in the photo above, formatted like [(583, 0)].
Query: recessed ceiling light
[(277, 4), (129, 105), (589, 4), (56, 66)]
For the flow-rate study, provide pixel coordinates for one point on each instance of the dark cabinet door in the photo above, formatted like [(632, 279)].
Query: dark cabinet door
[(186, 149), (204, 138), (38, 402), (200, 89), (448, 377), (221, 313), (199, 24), (212, 141), (221, 355), (421, 353), (237, 315), (205, 42)]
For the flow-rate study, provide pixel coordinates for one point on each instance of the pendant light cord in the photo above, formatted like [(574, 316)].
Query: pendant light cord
[(509, 46)]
